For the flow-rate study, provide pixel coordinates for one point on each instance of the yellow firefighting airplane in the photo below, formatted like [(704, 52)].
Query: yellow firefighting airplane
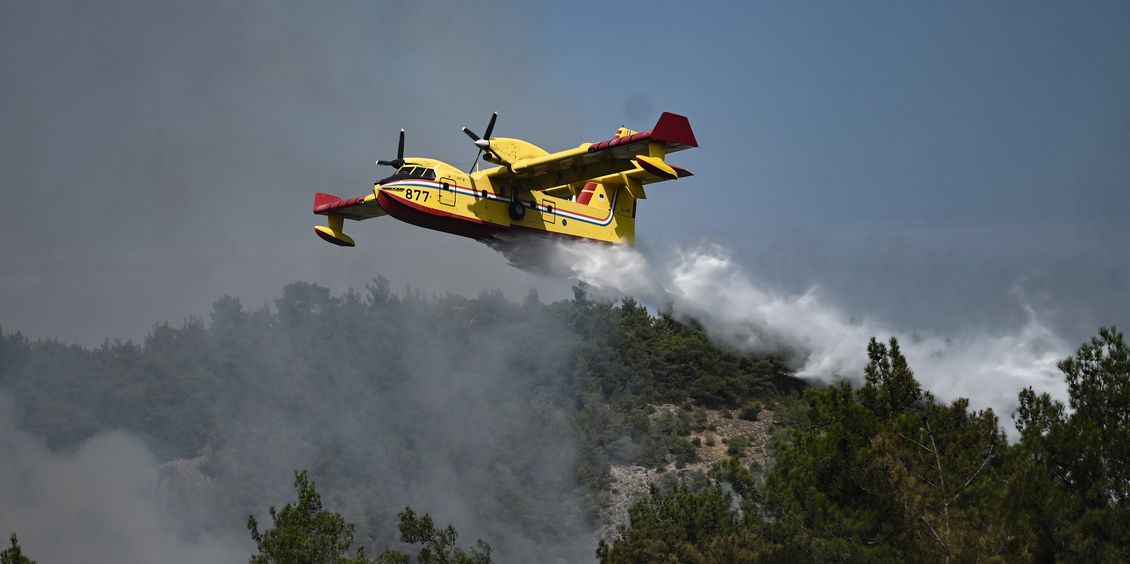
[(589, 192)]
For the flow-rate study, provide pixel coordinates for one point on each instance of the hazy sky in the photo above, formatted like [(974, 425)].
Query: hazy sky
[(915, 161)]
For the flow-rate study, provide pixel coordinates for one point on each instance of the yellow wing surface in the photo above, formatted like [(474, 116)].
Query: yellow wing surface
[(629, 159), (337, 210)]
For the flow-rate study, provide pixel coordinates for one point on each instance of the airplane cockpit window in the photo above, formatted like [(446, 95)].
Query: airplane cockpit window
[(411, 172)]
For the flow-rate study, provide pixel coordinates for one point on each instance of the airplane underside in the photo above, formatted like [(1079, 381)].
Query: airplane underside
[(415, 214), (429, 218)]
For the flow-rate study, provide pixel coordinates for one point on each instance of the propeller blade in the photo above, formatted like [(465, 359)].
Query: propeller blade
[(385, 163), (400, 147), (483, 143), (490, 126)]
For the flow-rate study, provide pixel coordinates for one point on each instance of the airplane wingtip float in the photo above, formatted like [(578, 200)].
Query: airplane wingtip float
[(588, 192)]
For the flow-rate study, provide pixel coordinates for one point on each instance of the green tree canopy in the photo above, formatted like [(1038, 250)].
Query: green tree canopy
[(887, 473), (1072, 479), (304, 532), (437, 546), (683, 526), (14, 554)]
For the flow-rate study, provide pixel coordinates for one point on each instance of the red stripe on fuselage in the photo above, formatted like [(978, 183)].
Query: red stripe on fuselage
[(411, 212)]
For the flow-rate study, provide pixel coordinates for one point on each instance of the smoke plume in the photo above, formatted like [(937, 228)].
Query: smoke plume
[(99, 503), (459, 408)]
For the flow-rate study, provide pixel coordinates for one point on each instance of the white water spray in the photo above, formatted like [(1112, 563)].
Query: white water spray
[(706, 285)]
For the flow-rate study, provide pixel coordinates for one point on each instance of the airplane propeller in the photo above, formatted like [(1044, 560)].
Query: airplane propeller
[(399, 160), (483, 143)]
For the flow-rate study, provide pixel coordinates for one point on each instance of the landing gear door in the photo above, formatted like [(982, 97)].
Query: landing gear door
[(447, 193)]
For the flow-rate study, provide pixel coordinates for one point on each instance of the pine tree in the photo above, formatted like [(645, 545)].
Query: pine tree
[(437, 546), (1071, 485), (305, 532), (13, 554)]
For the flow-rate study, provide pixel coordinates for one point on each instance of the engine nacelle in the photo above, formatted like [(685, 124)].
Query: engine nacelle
[(503, 150)]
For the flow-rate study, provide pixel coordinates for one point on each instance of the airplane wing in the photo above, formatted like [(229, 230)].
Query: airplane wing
[(639, 153), (359, 208), (337, 210)]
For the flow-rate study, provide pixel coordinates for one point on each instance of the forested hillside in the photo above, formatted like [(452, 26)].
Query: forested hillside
[(515, 421), (500, 417), (887, 473)]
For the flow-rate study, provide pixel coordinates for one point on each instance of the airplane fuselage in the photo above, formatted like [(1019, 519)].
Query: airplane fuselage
[(443, 198)]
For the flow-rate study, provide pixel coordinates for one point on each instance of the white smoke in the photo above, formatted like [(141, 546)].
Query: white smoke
[(706, 285), (103, 502)]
